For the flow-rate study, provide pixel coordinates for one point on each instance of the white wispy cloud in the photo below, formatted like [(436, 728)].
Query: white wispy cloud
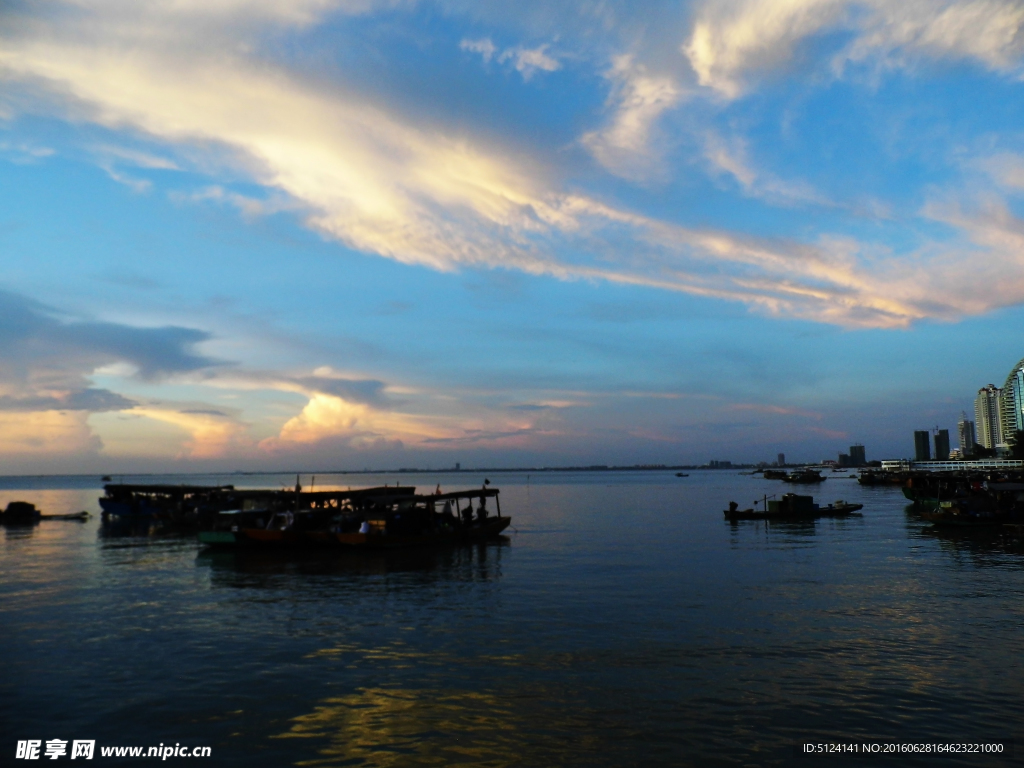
[(1004, 168), (731, 156), (249, 207), (627, 144), (485, 47), (526, 61), (731, 42)]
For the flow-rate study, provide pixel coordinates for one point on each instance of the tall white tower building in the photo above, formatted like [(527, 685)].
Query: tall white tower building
[(988, 416), (965, 431)]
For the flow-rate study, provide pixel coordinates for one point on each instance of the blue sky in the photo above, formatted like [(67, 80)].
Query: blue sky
[(239, 234)]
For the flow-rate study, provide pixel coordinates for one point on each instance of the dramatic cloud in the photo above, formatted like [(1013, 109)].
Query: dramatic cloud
[(363, 173), (46, 366), (212, 434), (92, 400), (37, 345), (48, 434), (363, 391)]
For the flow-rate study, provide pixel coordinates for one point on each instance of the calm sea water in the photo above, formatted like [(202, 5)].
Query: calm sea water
[(622, 623)]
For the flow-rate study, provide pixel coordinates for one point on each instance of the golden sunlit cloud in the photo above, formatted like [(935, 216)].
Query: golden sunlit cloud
[(46, 433), (211, 435), (330, 418)]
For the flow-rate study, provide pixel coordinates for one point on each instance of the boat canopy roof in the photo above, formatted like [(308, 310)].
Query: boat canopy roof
[(478, 493), (168, 489), (394, 490)]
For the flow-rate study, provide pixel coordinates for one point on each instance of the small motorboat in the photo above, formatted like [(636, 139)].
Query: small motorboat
[(791, 507), (20, 513), (25, 513)]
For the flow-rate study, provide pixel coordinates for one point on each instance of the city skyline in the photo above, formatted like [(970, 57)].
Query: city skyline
[(348, 234)]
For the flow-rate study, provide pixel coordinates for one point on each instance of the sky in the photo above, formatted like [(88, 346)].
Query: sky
[(348, 234)]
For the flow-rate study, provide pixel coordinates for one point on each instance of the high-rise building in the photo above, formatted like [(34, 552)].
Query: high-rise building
[(857, 457), (782, 459), (1012, 410), (844, 460), (922, 445), (988, 417), (942, 445), (965, 431)]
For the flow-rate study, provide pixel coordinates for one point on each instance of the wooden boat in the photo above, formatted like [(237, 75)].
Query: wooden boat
[(775, 474), (954, 517), (878, 477), (25, 513), (373, 518), (20, 513), (792, 507), (179, 505), (969, 512), (805, 477)]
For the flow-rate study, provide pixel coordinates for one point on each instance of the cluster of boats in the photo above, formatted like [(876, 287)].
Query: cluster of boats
[(370, 518), (966, 499), (962, 499), (397, 516)]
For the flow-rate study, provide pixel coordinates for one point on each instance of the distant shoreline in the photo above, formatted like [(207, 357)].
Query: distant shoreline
[(403, 470)]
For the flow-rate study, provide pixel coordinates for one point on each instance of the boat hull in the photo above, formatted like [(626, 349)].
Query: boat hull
[(260, 538), (831, 510)]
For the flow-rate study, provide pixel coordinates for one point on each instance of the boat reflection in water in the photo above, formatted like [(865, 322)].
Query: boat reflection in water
[(259, 567)]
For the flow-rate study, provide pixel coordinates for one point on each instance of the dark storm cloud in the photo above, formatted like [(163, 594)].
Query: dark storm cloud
[(154, 351), (94, 400), (46, 359), (31, 333), (366, 391)]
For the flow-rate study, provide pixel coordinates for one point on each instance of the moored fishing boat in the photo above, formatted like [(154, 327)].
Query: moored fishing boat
[(791, 507), (805, 477), (372, 518), (962, 514), (179, 505)]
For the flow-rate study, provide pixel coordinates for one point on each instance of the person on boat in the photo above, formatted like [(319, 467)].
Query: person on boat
[(365, 527), (733, 506), (447, 518), (481, 513), (467, 514)]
